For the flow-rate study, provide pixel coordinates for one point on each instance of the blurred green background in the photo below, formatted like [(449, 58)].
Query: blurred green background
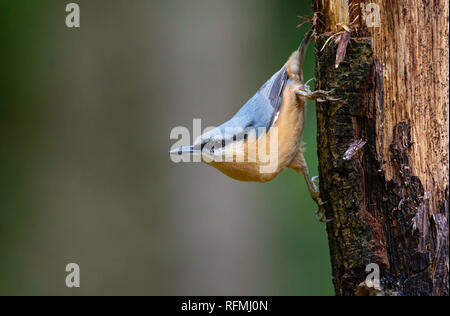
[(85, 119)]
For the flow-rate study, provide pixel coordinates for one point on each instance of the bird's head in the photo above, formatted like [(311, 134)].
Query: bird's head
[(208, 146)]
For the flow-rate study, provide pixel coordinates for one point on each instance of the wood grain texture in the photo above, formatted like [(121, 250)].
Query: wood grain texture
[(389, 204)]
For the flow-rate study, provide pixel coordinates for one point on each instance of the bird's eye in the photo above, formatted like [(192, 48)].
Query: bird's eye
[(203, 146), (215, 145)]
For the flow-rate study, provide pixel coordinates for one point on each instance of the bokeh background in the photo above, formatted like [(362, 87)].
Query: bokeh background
[(85, 177)]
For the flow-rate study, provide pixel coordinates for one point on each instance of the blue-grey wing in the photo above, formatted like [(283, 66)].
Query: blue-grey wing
[(261, 110), (272, 90)]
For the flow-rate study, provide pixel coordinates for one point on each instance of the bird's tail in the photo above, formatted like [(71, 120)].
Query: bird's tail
[(304, 45)]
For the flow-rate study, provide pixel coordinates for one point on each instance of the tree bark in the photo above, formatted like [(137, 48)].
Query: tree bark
[(387, 202)]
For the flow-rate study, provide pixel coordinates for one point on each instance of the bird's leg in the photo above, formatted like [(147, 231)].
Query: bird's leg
[(320, 214), (299, 164), (315, 195)]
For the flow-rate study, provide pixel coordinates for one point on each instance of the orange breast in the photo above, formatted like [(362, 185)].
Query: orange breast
[(282, 143)]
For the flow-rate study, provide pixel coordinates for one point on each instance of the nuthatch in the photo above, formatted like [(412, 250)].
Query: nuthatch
[(280, 105)]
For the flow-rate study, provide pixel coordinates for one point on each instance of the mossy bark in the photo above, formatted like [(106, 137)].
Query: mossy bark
[(386, 204)]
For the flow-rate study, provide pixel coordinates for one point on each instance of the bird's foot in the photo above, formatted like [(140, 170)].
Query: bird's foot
[(315, 194), (320, 215), (318, 95)]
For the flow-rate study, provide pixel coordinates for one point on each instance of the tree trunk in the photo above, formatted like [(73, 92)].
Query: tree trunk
[(387, 202)]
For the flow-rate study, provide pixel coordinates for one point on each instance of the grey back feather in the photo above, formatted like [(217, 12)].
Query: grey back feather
[(272, 90), (260, 111), (263, 107)]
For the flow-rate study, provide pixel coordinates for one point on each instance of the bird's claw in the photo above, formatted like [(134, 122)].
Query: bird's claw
[(318, 95), (306, 85), (320, 214), (315, 182)]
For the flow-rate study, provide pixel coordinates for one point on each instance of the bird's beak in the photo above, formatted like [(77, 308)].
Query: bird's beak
[(188, 150)]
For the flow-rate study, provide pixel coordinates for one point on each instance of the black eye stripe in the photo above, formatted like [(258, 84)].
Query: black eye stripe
[(222, 143)]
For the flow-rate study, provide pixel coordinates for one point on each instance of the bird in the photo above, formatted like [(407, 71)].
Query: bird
[(273, 119)]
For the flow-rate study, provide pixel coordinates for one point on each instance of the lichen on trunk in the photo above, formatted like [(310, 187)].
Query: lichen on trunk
[(351, 236)]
